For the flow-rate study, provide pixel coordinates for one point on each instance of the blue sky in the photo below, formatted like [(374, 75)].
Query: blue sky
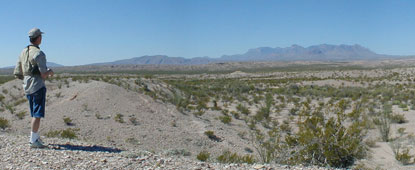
[(83, 32)]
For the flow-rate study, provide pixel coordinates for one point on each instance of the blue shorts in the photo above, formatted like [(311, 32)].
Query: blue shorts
[(37, 102)]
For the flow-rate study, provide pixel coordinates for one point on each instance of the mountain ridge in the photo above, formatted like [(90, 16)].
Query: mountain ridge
[(322, 52)]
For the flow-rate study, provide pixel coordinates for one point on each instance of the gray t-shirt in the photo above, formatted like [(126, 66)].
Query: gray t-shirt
[(32, 84)]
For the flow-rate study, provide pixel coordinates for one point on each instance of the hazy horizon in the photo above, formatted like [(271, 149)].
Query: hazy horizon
[(84, 32)]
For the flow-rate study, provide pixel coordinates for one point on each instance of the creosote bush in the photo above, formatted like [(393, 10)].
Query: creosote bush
[(319, 141)]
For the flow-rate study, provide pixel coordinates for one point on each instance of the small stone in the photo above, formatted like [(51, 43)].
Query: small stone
[(258, 166)]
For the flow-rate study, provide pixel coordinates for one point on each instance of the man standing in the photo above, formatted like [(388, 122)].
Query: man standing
[(31, 68)]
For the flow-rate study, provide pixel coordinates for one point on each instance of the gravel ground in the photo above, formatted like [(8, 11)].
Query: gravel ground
[(15, 153)]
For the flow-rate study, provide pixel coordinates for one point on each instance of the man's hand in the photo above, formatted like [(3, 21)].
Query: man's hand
[(19, 76), (47, 74), (51, 73)]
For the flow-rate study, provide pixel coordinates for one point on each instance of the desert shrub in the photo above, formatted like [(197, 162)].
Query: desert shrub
[(134, 121), (396, 102), (69, 133), (67, 121), (211, 135), (85, 107), (322, 142), (225, 119), (4, 123), (403, 105), (401, 131), (98, 116), (199, 113), (371, 143), (201, 105), (294, 110), (10, 108), (119, 118), (404, 157), (182, 152), (225, 111), (244, 110), (203, 156), (58, 95), (262, 113), (319, 141), (383, 123), (21, 115), (179, 101), (270, 146), (53, 134), (132, 141), (235, 115), (5, 91), (398, 118), (20, 101), (229, 157), (285, 126), (215, 105)]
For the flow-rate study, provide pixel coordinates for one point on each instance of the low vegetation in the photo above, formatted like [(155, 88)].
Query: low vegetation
[(67, 121), (69, 133), (203, 156), (4, 123), (229, 157), (119, 118), (291, 117), (21, 115)]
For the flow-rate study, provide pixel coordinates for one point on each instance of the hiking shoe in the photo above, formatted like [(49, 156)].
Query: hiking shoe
[(37, 144)]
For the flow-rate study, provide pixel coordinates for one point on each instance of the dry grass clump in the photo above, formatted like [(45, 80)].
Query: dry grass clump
[(203, 156), (4, 123), (69, 133), (229, 157), (21, 115), (67, 121), (119, 118)]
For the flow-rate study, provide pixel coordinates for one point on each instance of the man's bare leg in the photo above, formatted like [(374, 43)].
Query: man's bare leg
[(35, 124), (35, 128)]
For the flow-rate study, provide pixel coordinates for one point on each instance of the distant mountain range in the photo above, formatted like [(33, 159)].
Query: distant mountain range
[(323, 52)]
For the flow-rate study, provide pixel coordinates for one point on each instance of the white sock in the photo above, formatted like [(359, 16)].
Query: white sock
[(33, 137)]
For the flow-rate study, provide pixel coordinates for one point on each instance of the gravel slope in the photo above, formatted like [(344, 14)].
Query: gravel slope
[(73, 154)]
